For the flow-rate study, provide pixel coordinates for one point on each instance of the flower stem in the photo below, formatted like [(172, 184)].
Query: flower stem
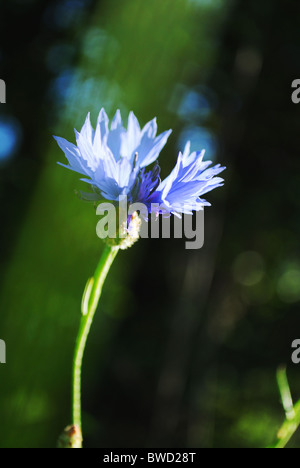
[(292, 412), (90, 302)]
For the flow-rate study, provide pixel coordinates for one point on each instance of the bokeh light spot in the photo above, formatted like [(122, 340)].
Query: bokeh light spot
[(249, 268), (288, 286), (60, 57), (194, 105), (65, 13), (249, 62), (9, 137), (200, 139)]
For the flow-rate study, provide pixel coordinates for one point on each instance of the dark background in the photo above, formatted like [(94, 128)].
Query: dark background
[(186, 350)]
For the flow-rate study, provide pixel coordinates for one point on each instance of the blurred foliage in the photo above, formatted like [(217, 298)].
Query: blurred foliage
[(185, 352)]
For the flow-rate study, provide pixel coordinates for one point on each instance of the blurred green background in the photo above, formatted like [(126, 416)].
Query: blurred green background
[(185, 351)]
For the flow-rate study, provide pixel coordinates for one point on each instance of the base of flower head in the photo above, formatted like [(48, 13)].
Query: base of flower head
[(128, 235), (70, 438)]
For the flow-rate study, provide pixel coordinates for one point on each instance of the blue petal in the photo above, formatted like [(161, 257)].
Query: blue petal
[(102, 125), (131, 139), (149, 149), (150, 129), (134, 133), (86, 151), (116, 121), (87, 130), (115, 136), (73, 155)]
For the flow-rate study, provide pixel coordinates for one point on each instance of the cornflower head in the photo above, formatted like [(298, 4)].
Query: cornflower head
[(115, 163)]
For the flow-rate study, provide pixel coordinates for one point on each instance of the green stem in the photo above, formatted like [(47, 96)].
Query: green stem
[(288, 428), (292, 412), (90, 302)]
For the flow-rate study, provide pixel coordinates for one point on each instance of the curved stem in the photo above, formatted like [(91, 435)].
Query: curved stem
[(90, 302)]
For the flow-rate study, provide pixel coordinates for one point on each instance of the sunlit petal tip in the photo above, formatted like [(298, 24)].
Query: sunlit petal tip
[(117, 120), (187, 148), (102, 115), (133, 121), (150, 128)]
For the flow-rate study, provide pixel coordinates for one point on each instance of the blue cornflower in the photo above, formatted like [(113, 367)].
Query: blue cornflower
[(181, 192), (114, 162), (111, 159)]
